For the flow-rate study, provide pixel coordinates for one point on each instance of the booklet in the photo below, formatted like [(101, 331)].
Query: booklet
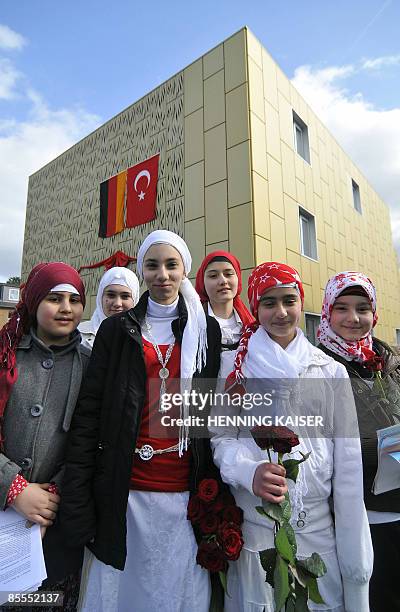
[(387, 475), (22, 566)]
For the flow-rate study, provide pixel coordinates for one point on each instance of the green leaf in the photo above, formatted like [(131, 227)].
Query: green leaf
[(286, 508), (314, 565), (301, 598), (283, 546), (281, 582), (313, 591), (261, 511), (273, 511), (291, 536), (223, 579), (300, 575), (290, 605), (268, 561), (292, 468)]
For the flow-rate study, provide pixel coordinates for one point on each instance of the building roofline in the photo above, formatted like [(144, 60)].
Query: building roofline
[(136, 102)]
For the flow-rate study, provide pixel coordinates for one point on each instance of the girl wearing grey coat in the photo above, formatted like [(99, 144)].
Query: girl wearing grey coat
[(41, 367)]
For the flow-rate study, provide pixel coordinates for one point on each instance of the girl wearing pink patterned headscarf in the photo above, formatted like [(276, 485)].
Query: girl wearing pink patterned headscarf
[(345, 333), (275, 350)]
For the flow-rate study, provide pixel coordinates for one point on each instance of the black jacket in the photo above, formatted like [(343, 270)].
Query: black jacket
[(104, 431), (375, 412)]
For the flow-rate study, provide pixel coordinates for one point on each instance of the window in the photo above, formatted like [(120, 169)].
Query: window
[(13, 295), (398, 337), (307, 234), (301, 143), (312, 322), (356, 196)]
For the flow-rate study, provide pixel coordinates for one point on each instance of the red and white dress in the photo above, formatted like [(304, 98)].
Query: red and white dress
[(161, 571)]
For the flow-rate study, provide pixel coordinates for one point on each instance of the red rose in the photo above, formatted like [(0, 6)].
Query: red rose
[(233, 514), (195, 509), (208, 489), (375, 364), (209, 523), (222, 501), (211, 556), (281, 439), (230, 537)]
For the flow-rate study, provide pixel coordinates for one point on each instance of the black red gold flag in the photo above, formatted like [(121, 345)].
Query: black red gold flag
[(112, 201)]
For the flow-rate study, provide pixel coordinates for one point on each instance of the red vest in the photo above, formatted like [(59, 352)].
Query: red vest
[(166, 472)]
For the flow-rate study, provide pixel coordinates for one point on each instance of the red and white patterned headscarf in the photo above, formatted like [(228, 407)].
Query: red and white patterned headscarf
[(266, 276), (360, 350)]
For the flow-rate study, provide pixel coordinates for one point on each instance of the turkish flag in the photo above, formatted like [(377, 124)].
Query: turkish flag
[(141, 195)]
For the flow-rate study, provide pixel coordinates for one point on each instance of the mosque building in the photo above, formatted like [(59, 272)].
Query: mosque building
[(227, 154)]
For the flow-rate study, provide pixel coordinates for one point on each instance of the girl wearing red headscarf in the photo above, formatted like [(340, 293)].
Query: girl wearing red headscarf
[(275, 353), (41, 366), (219, 285)]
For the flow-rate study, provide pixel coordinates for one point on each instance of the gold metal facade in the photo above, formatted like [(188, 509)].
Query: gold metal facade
[(230, 178)]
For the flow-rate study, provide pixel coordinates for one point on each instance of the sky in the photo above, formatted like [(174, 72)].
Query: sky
[(66, 67)]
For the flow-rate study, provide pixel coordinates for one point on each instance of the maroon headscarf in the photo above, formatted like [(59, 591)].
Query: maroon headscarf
[(40, 281), (238, 305)]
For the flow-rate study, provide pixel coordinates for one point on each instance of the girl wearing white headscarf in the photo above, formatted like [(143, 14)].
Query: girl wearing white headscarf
[(111, 298), (127, 482)]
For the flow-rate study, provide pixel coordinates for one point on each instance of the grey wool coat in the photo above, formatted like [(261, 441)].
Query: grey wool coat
[(39, 412)]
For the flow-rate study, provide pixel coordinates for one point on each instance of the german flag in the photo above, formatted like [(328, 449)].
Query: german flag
[(112, 201)]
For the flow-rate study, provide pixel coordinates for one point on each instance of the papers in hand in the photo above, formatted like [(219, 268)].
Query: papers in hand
[(387, 475), (22, 565)]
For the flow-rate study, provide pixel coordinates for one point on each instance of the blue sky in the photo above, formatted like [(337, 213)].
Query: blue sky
[(66, 67)]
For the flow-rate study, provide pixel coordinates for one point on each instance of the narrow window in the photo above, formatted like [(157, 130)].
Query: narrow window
[(13, 295), (301, 143), (356, 196), (312, 323), (398, 337), (308, 236)]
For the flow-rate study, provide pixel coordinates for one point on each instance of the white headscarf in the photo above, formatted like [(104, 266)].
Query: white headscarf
[(113, 276), (194, 339)]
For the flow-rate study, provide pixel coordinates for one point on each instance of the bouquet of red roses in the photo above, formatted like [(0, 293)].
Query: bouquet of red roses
[(217, 519), (294, 580)]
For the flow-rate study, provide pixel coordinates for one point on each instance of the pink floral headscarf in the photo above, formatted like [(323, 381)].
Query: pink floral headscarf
[(360, 350)]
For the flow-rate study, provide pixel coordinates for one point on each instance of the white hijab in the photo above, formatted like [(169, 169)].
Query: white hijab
[(113, 276), (194, 339)]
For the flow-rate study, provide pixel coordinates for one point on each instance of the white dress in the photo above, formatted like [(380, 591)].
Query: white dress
[(161, 572), (231, 330), (333, 466)]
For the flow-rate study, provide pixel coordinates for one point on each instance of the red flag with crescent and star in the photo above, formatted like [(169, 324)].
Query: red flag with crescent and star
[(141, 194)]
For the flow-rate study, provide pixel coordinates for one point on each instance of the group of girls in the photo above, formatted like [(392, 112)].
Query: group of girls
[(98, 479)]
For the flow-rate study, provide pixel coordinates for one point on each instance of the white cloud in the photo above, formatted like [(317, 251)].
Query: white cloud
[(380, 62), (10, 39), (24, 148), (9, 77), (371, 136)]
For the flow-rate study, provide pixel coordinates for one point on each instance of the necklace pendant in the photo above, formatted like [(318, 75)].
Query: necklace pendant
[(163, 373)]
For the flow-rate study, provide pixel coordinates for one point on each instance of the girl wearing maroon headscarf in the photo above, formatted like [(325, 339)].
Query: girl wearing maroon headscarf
[(219, 285), (41, 366), (275, 353), (345, 333)]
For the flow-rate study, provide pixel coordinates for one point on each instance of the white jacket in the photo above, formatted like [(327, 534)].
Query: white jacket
[(334, 466)]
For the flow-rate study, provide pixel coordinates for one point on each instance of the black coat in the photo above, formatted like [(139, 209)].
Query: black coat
[(104, 431)]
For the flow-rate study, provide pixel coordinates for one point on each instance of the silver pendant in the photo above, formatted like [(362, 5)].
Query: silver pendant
[(163, 373), (146, 452)]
